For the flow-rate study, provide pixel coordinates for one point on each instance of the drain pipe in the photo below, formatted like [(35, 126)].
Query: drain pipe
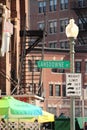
[(3, 24)]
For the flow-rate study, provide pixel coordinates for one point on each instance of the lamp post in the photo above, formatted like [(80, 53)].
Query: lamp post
[(72, 33)]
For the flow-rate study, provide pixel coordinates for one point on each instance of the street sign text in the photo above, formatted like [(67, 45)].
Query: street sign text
[(53, 64)]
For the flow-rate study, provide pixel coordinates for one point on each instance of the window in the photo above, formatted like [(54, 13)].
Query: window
[(50, 89), (52, 27), (42, 6), (41, 26), (86, 66), (81, 3), (31, 42), (30, 65), (53, 4), (53, 45), (82, 23), (64, 45), (55, 70), (57, 90), (77, 66), (63, 24), (64, 90), (63, 4), (36, 69)]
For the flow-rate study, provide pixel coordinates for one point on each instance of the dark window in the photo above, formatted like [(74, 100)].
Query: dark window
[(57, 90), (30, 65), (41, 26), (42, 6), (86, 66), (64, 45), (63, 4), (63, 24), (50, 89), (36, 67), (53, 5), (77, 66), (53, 45), (31, 42), (54, 70), (53, 27), (81, 3), (63, 90)]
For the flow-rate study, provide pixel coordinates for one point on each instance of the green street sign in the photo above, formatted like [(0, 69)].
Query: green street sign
[(53, 64)]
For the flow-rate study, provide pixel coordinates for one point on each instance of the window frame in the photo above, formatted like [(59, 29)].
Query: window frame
[(78, 66), (52, 5), (85, 66), (64, 90), (53, 44), (50, 89), (57, 90), (29, 65), (63, 24), (41, 6), (41, 25), (64, 4), (53, 26), (64, 44)]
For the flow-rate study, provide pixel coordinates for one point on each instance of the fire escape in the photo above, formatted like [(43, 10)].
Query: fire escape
[(80, 9), (30, 77)]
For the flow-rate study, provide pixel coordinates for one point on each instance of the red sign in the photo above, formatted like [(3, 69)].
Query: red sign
[(24, 99)]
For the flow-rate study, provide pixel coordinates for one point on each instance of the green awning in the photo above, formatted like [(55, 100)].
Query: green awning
[(81, 121), (62, 124)]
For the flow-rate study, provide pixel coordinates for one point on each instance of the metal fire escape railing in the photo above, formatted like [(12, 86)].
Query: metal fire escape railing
[(10, 79), (32, 33), (28, 35), (80, 9)]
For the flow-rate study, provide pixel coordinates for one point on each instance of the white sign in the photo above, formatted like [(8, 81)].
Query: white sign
[(8, 27), (6, 35), (73, 84)]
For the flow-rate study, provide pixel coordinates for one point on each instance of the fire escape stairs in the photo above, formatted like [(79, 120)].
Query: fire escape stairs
[(32, 33), (31, 38), (81, 11)]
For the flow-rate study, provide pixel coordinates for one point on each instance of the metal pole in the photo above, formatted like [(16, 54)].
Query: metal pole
[(72, 98), (32, 74)]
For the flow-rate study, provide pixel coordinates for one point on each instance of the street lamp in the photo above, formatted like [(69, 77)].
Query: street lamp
[(72, 31)]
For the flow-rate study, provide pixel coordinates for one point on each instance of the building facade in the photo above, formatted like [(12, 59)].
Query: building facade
[(39, 34), (52, 16)]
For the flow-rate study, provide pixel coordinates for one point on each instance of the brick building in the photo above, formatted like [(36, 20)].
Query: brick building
[(52, 17), (39, 33)]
